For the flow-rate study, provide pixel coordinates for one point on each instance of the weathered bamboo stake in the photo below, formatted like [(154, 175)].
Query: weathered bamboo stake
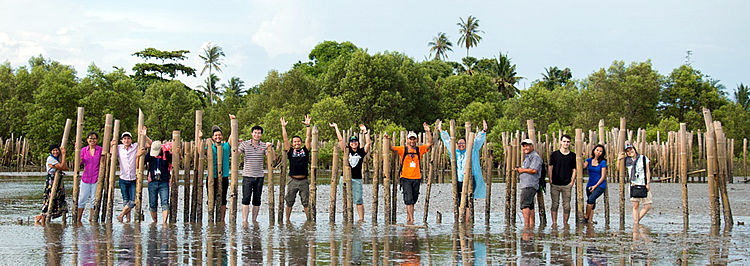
[(103, 167), (107, 216), (744, 156), (77, 160), (174, 180), (579, 150), (235, 170), (454, 173), (621, 169), (721, 148), (431, 176), (188, 153), (218, 182), (58, 174), (138, 212), (197, 178), (312, 210), (269, 175), (201, 146), (397, 181), (377, 172), (470, 192), (282, 184), (514, 178), (711, 168), (334, 185), (539, 195), (487, 154), (467, 179), (210, 179), (508, 180), (386, 180), (683, 174), (602, 135), (346, 190)]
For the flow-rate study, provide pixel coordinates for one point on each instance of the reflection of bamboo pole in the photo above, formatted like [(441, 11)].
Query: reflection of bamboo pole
[(332, 241), (312, 209), (77, 164), (377, 166), (431, 174), (721, 148), (102, 168), (711, 168), (210, 180), (234, 174), (454, 171), (334, 185), (744, 157), (508, 179), (386, 180), (683, 174), (374, 245), (173, 181), (579, 174), (112, 169), (467, 179), (621, 169), (138, 212), (58, 173)]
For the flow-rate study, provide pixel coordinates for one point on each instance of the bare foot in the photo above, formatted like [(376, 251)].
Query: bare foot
[(119, 218)]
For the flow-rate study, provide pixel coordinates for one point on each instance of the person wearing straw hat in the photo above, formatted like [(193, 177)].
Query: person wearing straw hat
[(357, 155), (127, 155), (530, 171), (637, 166), (159, 165), (411, 176)]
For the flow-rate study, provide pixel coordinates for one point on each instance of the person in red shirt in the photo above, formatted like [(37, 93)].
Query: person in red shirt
[(410, 172)]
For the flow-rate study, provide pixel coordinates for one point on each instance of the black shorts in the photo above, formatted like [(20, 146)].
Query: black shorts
[(225, 191), (252, 187), (527, 198), (410, 188)]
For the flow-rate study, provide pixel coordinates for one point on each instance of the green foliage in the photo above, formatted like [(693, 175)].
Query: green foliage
[(686, 92), (503, 74), (109, 93), (332, 110), (543, 106), (436, 69), (147, 73), (440, 45), (742, 96), (457, 92), (323, 55), (469, 31), (55, 100), (555, 77), (170, 106), (475, 112)]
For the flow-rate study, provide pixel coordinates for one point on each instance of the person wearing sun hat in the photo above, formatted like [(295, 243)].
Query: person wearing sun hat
[(411, 175), (158, 165), (357, 154)]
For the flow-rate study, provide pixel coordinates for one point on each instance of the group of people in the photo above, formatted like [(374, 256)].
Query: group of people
[(158, 158), (561, 175)]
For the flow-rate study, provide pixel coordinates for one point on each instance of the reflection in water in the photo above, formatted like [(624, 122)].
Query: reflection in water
[(296, 245), (594, 255), (54, 240), (560, 253), (252, 248), (411, 254), (158, 248), (87, 245), (530, 252), (641, 246), (126, 248)]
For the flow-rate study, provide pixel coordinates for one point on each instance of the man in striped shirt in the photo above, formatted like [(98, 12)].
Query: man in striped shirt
[(252, 172)]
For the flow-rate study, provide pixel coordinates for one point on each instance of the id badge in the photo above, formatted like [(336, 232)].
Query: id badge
[(157, 172), (413, 165)]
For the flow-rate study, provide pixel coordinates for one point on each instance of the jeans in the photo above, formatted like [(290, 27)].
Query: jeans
[(127, 188), (158, 190)]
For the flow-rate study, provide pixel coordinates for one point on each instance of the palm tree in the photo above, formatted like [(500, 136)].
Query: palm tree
[(235, 87), (210, 86), (212, 60), (469, 63), (440, 45), (555, 76), (742, 96), (469, 30), (505, 76)]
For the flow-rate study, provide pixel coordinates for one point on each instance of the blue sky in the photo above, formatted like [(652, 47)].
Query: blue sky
[(258, 36)]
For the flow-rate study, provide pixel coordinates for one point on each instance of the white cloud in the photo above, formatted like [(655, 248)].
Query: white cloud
[(290, 30)]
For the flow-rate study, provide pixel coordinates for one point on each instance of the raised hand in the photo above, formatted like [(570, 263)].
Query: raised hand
[(307, 120), (62, 151), (362, 128), (385, 135), (143, 131), (268, 145), (426, 126), (439, 125), (283, 122), (484, 125), (231, 116), (333, 125)]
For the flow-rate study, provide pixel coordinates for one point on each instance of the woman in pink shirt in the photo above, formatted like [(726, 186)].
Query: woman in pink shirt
[(90, 158)]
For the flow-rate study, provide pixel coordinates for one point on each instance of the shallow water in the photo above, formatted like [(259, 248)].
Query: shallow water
[(660, 241)]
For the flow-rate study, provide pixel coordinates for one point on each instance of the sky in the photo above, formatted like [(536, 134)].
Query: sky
[(258, 36)]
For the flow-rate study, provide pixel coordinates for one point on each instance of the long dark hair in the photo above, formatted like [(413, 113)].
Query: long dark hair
[(604, 153)]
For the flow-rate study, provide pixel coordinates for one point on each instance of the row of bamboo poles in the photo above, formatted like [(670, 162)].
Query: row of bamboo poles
[(381, 166), (14, 152)]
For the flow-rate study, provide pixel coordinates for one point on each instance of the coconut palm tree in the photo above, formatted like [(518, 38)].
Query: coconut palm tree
[(555, 76), (440, 45), (210, 86), (212, 60), (504, 76), (469, 31), (235, 87)]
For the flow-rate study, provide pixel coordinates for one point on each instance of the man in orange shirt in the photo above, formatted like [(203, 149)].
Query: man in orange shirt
[(410, 172)]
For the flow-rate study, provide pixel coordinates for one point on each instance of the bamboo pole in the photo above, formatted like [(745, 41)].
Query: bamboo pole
[(58, 173), (454, 173), (683, 174), (138, 212), (77, 160), (210, 180), (200, 155), (431, 175), (188, 153), (174, 179), (109, 210), (539, 195), (744, 156), (467, 179), (470, 192), (197, 178), (334, 185), (711, 168), (102, 167), (218, 182), (282, 184), (602, 134), (514, 178), (621, 169), (235, 168), (507, 152), (346, 190), (312, 210), (269, 176), (721, 147), (488, 181), (386, 180), (579, 174), (377, 172)]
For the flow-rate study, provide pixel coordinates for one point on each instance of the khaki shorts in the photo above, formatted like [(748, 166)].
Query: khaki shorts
[(294, 187), (646, 200)]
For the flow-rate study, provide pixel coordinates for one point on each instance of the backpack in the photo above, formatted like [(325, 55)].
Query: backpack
[(542, 178)]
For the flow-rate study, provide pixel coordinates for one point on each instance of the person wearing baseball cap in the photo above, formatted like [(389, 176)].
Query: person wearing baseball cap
[(530, 172), (356, 156), (410, 171), (126, 155), (637, 167), (158, 163)]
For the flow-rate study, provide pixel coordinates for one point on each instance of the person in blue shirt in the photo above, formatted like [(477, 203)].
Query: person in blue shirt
[(597, 184), (480, 189)]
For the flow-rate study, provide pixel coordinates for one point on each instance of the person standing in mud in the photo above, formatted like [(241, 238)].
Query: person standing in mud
[(562, 177), (299, 158), (411, 175), (637, 166), (356, 157), (55, 162), (480, 189), (252, 172), (127, 154), (90, 158), (158, 163), (530, 172)]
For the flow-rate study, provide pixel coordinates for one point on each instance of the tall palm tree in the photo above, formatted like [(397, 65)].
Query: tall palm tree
[(235, 87), (440, 45), (505, 76), (212, 60), (210, 86), (742, 96), (555, 76), (469, 31), (469, 63)]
